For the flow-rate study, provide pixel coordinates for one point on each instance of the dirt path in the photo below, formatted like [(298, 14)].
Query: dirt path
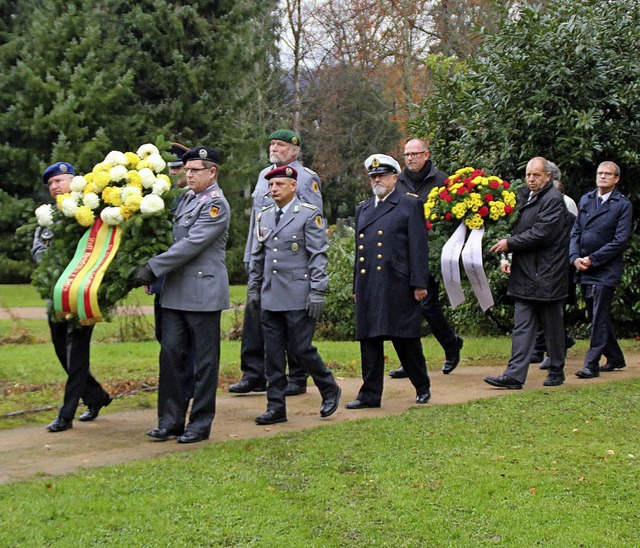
[(29, 452)]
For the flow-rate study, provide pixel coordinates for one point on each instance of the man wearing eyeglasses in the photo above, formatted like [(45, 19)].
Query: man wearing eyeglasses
[(419, 177), (600, 235), (195, 291)]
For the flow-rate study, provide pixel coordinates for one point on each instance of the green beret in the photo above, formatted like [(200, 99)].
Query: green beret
[(287, 136)]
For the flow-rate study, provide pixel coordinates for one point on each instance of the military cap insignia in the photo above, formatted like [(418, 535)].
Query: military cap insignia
[(63, 168), (202, 153), (214, 211), (319, 221), (315, 186), (289, 171), (294, 141), (375, 163)]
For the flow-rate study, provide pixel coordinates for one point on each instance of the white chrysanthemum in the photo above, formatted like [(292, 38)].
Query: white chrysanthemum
[(69, 206), (116, 158), (147, 177), (44, 215), (146, 150), (118, 173), (160, 186), (111, 215), (91, 200), (129, 191), (151, 204), (78, 183), (157, 163), (77, 196)]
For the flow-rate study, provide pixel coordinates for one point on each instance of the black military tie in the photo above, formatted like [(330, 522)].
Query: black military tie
[(599, 202), (278, 215)]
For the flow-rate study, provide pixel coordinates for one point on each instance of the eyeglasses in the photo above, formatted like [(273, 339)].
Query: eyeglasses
[(195, 169), (412, 154), (606, 174)]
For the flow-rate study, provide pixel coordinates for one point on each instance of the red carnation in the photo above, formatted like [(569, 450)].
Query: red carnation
[(508, 209), (448, 216), (462, 190), (494, 184), (483, 211), (443, 193), (505, 184), (448, 198), (488, 198), (429, 225)]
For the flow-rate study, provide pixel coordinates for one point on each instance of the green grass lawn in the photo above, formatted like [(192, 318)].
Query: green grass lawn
[(543, 468)]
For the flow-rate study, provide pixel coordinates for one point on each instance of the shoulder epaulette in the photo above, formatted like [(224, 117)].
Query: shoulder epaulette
[(412, 194), (309, 170), (310, 206), (264, 208)]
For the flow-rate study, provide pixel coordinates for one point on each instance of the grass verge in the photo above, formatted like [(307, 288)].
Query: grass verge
[(550, 467)]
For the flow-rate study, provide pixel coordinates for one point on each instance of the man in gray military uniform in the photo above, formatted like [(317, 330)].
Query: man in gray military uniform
[(288, 279), (195, 291), (284, 150)]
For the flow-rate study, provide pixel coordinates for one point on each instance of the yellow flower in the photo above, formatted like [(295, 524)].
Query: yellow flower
[(61, 198), (127, 212), (84, 216), (459, 210), (132, 159), (142, 164), (509, 198), (102, 166), (111, 196), (133, 177), (133, 202), (474, 222), (101, 180)]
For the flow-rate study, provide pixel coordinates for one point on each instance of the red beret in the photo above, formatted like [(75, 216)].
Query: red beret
[(282, 171)]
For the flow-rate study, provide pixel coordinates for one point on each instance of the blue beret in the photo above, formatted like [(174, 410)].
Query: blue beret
[(57, 169), (202, 153)]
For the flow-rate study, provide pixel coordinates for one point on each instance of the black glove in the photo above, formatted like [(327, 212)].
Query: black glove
[(143, 276), (315, 305), (253, 299)]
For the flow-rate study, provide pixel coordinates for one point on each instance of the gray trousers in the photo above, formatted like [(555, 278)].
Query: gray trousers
[(527, 318)]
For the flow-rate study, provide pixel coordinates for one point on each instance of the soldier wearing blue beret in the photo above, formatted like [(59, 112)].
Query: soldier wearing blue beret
[(284, 150), (71, 340)]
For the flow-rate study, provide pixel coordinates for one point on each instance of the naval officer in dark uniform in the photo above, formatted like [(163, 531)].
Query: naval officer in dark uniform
[(71, 341), (195, 291), (283, 150), (288, 280), (390, 279)]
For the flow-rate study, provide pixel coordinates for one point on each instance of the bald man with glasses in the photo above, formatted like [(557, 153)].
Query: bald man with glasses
[(419, 177)]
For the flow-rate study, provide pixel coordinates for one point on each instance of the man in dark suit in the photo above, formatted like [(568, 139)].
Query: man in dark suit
[(599, 237), (418, 177), (71, 341), (283, 151), (288, 279), (390, 279), (195, 291), (538, 276)]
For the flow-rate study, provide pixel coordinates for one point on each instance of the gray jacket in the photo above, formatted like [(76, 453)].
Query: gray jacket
[(291, 258), (194, 266)]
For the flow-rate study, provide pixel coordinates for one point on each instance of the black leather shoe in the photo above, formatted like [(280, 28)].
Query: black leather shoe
[(399, 373), (192, 437), (608, 367), (163, 434), (294, 389), (424, 397), (244, 387), (545, 363), (270, 417), (503, 381), (59, 425), (93, 411), (587, 374), (330, 403), (358, 404), (553, 380), (452, 356)]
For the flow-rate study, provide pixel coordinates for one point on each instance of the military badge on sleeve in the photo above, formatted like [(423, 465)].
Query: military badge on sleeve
[(315, 186), (214, 211), (319, 221)]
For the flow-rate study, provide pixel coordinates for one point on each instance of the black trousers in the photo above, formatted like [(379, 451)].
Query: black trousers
[(182, 330), (432, 312), (252, 353), (72, 344), (409, 352), (291, 331), (603, 336)]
